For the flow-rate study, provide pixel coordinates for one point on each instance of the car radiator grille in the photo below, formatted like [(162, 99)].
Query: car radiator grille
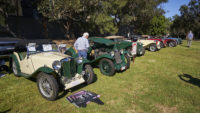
[(118, 57), (69, 68)]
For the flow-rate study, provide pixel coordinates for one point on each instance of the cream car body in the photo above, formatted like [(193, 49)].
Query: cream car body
[(58, 66), (147, 43), (33, 62)]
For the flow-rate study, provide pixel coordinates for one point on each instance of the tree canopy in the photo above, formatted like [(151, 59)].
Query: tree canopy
[(189, 19), (103, 16)]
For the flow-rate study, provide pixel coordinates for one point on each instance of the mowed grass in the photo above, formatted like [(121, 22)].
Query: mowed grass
[(152, 84)]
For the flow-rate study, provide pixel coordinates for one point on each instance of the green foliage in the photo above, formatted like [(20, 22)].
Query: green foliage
[(188, 20), (2, 20), (5, 8), (104, 17), (159, 25), (142, 12)]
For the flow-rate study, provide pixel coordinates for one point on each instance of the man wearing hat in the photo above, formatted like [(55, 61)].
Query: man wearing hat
[(82, 45)]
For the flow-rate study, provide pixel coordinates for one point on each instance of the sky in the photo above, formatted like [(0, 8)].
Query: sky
[(173, 6)]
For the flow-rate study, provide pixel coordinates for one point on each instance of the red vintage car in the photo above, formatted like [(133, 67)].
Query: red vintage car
[(165, 42)]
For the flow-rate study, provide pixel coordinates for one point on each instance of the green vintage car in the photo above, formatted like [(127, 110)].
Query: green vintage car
[(130, 47), (108, 55), (133, 48), (52, 69)]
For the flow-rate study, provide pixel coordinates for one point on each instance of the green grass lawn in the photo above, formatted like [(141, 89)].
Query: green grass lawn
[(152, 84)]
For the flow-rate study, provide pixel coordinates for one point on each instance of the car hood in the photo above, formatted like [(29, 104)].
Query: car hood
[(123, 45), (46, 59), (100, 40)]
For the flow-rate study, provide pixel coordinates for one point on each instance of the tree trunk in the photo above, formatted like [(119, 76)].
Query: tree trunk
[(44, 23), (67, 28)]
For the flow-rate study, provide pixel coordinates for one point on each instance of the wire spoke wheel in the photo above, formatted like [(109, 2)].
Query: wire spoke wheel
[(89, 74), (48, 86), (45, 87)]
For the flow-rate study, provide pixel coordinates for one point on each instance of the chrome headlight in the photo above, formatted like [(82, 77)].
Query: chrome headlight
[(112, 53), (56, 65), (79, 60), (121, 51)]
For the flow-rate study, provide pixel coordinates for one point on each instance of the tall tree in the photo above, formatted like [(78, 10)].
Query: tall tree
[(159, 25), (189, 19), (142, 12)]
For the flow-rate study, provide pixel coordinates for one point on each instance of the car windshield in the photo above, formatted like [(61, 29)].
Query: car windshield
[(33, 48)]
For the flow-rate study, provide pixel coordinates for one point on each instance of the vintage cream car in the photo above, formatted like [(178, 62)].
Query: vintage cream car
[(51, 68), (151, 45)]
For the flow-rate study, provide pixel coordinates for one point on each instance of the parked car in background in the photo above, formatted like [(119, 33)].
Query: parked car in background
[(41, 60), (163, 42), (140, 50), (151, 45), (131, 47), (7, 43), (178, 40)]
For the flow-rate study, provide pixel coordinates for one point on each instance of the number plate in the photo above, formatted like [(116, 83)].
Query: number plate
[(123, 68), (74, 83), (134, 49)]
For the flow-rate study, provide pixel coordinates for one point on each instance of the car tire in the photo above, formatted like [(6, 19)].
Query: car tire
[(162, 45), (152, 47), (107, 67), (128, 61), (47, 82), (14, 69), (89, 74), (171, 44), (129, 52), (142, 52)]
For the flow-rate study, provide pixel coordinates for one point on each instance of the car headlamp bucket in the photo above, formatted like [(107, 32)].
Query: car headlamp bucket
[(56, 65), (112, 53), (121, 51), (79, 60)]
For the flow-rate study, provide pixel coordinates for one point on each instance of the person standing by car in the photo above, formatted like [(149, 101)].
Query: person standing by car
[(82, 45), (190, 36)]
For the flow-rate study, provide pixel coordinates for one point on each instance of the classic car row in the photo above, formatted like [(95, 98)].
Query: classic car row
[(55, 70)]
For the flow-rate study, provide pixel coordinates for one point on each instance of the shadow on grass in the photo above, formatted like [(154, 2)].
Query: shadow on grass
[(5, 111), (184, 46), (64, 92), (189, 79)]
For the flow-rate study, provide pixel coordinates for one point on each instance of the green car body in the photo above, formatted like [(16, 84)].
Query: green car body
[(140, 49), (104, 51)]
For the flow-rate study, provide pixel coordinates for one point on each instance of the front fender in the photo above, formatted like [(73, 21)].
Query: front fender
[(44, 70), (11, 58), (102, 56), (71, 52)]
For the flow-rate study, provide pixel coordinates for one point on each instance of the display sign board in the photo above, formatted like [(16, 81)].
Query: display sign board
[(82, 98)]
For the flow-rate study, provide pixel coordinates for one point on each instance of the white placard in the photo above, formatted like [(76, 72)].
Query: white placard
[(31, 47), (47, 47)]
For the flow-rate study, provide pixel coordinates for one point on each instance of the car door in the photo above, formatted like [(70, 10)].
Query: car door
[(26, 65)]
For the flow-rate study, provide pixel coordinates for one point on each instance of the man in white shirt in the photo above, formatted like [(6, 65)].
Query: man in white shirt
[(190, 36), (82, 45)]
